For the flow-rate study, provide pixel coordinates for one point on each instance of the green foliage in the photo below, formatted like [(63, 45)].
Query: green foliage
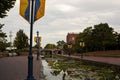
[(60, 44), (69, 48), (117, 40), (80, 70), (101, 37), (5, 6), (50, 46), (37, 46), (3, 41), (65, 48), (21, 40)]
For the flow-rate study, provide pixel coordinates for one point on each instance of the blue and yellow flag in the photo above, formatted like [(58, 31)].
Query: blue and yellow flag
[(38, 9)]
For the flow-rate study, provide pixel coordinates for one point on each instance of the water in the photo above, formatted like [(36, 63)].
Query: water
[(48, 72), (59, 68)]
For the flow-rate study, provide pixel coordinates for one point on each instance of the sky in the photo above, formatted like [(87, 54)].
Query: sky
[(63, 17)]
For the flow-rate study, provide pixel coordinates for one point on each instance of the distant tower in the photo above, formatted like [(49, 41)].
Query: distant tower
[(10, 39)]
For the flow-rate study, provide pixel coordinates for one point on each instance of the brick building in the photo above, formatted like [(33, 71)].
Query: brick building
[(71, 38)]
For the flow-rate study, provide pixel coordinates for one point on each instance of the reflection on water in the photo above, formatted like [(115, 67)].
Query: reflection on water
[(59, 68), (48, 74)]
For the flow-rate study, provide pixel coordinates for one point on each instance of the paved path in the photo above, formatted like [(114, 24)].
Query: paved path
[(15, 68), (110, 60)]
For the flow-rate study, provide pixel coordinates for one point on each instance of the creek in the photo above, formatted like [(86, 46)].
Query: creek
[(60, 68)]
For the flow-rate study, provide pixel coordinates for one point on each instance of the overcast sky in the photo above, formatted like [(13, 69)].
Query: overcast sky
[(63, 16)]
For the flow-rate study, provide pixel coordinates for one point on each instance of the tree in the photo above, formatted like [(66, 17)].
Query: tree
[(102, 36), (86, 37), (117, 40), (21, 40), (50, 46), (5, 6), (60, 44), (3, 41), (36, 46)]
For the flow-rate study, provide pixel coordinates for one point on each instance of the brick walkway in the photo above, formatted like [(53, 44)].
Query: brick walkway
[(15, 68), (109, 60)]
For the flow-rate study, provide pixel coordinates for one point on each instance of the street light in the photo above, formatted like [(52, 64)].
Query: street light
[(69, 47), (10, 40), (82, 45), (30, 57), (38, 44)]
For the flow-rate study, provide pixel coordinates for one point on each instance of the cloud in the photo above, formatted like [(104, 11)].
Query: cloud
[(63, 16)]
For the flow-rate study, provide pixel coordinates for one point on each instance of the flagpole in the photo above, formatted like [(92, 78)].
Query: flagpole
[(30, 57)]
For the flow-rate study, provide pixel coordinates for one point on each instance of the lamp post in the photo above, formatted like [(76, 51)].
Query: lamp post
[(82, 45), (69, 47), (31, 10), (30, 57), (38, 41), (10, 40)]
